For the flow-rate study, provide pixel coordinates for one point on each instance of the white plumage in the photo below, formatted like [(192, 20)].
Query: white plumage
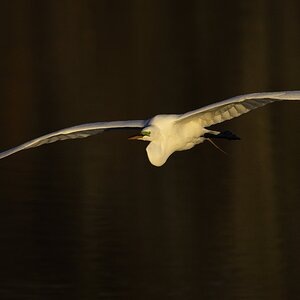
[(168, 133)]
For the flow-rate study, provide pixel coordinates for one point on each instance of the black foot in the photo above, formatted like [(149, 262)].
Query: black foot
[(228, 135)]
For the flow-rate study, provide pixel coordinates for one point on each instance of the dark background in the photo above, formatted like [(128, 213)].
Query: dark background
[(92, 219)]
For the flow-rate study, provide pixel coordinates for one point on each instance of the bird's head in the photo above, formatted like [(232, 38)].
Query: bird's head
[(146, 134), (156, 150)]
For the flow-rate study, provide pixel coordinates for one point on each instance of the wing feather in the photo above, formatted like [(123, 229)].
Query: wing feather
[(234, 107), (75, 132)]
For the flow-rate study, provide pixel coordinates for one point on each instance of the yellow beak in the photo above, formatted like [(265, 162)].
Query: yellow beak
[(136, 137)]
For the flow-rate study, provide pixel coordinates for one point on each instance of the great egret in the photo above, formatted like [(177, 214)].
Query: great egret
[(170, 133)]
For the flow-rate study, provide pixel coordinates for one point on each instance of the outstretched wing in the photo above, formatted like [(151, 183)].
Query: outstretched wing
[(75, 132), (234, 107)]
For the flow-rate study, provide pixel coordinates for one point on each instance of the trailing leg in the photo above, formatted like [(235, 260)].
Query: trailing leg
[(228, 135)]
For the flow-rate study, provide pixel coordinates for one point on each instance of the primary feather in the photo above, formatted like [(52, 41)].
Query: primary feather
[(236, 106), (76, 132)]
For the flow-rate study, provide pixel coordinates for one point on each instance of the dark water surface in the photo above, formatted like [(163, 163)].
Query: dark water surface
[(92, 219), (86, 225)]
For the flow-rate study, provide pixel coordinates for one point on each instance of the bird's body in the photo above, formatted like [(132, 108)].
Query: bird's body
[(168, 137), (169, 133)]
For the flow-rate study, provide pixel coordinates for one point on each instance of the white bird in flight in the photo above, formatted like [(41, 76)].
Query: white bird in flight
[(169, 133)]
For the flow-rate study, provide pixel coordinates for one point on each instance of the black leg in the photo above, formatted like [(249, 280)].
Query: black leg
[(228, 135)]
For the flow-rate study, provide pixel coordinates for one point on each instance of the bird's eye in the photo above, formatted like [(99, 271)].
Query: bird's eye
[(147, 133)]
